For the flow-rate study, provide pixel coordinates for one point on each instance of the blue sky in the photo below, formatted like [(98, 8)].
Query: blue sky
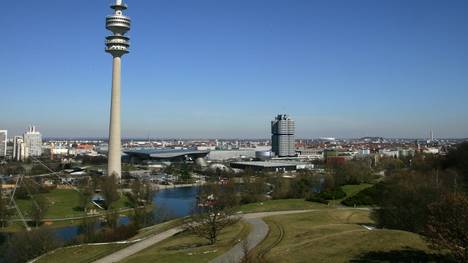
[(225, 68)]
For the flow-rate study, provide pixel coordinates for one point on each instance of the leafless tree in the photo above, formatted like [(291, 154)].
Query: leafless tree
[(447, 226), (210, 218), (38, 209), (5, 211), (141, 194), (86, 193), (109, 190)]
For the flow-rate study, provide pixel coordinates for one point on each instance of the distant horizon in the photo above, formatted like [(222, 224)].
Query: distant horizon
[(299, 134), (253, 138), (207, 68), (268, 137)]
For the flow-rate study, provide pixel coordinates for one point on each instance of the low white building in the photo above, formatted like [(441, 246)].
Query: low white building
[(432, 150), (243, 153), (393, 153)]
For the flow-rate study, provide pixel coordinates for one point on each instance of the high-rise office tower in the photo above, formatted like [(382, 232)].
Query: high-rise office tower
[(117, 45), (18, 148), (32, 140), (282, 138), (3, 143)]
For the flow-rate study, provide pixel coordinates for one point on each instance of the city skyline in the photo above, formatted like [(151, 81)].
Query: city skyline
[(214, 70)]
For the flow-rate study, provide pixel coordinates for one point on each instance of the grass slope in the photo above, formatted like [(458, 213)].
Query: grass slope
[(89, 253), (280, 205), (330, 236), (81, 254), (62, 203), (186, 247)]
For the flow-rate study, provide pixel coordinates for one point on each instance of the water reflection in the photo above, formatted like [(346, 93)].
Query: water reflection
[(169, 203)]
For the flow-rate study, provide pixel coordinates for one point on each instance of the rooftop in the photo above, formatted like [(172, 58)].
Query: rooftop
[(265, 164)]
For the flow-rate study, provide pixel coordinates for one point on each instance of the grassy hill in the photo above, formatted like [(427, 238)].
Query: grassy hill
[(336, 236)]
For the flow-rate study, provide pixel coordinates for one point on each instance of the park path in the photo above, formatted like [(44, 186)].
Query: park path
[(235, 254), (137, 247), (259, 231)]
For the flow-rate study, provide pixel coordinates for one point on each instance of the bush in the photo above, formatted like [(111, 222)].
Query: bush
[(323, 197), (22, 193), (315, 198), (24, 246), (122, 232), (332, 194), (404, 200), (447, 226), (247, 198), (365, 197)]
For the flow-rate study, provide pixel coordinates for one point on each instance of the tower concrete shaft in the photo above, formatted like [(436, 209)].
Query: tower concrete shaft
[(114, 151), (117, 45)]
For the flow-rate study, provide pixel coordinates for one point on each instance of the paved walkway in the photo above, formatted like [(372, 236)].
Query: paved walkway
[(258, 233), (135, 248), (235, 254)]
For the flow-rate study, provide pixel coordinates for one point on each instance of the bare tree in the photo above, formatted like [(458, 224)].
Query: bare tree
[(26, 245), (38, 209), (109, 190), (86, 193), (5, 211), (112, 219), (210, 218), (447, 226), (141, 194)]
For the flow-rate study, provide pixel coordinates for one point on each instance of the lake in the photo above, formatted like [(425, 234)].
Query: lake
[(172, 202)]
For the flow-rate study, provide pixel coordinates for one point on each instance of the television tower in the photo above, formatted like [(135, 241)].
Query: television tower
[(117, 45)]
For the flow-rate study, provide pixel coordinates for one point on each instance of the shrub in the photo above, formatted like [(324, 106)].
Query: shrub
[(323, 197), (121, 232), (332, 194), (313, 197), (404, 200), (107, 234), (365, 197), (24, 246)]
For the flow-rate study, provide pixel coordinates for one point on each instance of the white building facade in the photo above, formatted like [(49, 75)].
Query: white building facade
[(33, 142), (3, 143)]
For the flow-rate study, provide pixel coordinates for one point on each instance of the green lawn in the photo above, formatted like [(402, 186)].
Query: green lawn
[(187, 247), (81, 254), (299, 204), (62, 203), (333, 236), (89, 253), (280, 205)]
